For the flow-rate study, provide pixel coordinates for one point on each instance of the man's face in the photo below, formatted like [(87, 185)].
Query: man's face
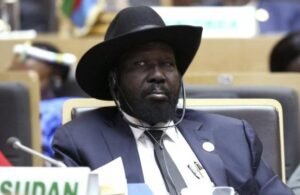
[(149, 83)]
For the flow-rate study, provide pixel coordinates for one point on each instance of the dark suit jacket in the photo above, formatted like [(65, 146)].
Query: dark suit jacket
[(97, 137)]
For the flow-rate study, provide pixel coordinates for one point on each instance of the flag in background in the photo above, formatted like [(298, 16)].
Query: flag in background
[(83, 13), (3, 161)]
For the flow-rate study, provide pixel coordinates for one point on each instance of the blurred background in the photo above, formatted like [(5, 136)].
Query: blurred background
[(75, 25), (245, 43)]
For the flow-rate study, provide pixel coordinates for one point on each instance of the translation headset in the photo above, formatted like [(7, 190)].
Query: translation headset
[(113, 85), (113, 79)]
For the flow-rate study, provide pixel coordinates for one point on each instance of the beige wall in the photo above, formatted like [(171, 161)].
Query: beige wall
[(233, 55), (76, 46), (214, 55)]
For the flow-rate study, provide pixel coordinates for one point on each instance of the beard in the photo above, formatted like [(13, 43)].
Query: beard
[(151, 112)]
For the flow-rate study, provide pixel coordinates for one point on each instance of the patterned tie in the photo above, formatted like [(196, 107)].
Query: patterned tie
[(173, 179)]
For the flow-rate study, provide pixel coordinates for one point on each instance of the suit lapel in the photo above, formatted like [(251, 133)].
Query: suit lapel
[(196, 134), (121, 143)]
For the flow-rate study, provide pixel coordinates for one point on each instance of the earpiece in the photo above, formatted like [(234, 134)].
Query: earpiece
[(112, 80)]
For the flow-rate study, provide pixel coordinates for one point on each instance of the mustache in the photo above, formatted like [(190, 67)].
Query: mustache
[(154, 88)]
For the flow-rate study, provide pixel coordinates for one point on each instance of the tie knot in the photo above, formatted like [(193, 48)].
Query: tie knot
[(154, 135)]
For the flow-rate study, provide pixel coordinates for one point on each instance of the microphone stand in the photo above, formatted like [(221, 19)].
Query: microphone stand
[(16, 144)]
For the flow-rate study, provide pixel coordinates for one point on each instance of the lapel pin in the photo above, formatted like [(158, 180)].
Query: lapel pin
[(208, 146)]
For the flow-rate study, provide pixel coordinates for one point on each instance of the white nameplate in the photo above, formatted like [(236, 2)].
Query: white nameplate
[(45, 181), (217, 22)]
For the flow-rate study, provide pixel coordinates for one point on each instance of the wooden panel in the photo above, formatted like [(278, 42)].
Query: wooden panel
[(166, 2), (233, 55), (72, 45), (214, 55)]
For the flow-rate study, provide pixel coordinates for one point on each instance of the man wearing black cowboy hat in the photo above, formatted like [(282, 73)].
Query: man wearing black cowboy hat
[(140, 66)]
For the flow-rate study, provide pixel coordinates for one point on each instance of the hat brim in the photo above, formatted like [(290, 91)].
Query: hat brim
[(93, 68)]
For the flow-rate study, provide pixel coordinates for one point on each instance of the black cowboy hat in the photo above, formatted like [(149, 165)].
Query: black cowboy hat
[(133, 26)]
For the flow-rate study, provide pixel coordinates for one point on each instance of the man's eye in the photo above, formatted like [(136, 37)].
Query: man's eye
[(167, 64), (140, 63)]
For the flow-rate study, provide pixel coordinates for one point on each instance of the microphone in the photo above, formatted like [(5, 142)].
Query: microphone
[(16, 144)]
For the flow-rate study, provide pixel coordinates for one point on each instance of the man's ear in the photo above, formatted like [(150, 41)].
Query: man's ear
[(113, 79), (113, 85)]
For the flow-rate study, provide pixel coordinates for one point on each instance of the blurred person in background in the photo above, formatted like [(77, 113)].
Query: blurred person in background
[(285, 55), (53, 69), (217, 2), (283, 16), (46, 59)]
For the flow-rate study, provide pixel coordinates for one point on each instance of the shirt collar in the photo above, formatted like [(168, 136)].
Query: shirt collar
[(171, 131)]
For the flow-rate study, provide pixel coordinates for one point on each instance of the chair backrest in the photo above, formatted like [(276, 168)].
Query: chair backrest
[(265, 115), (30, 81), (73, 107), (15, 121), (290, 80), (287, 97)]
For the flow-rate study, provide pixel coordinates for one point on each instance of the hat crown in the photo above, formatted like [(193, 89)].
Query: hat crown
[(133, 19)]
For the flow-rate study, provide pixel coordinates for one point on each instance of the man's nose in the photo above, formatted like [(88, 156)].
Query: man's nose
[(156, 75)]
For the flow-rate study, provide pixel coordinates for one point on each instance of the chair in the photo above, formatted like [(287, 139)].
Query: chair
[(73, 107), (265, 115), (30, 81), (287, 97), (15, 121), (266, 80), (71, 89)]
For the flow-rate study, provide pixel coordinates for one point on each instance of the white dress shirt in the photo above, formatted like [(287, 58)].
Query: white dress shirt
[(180, 152)]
